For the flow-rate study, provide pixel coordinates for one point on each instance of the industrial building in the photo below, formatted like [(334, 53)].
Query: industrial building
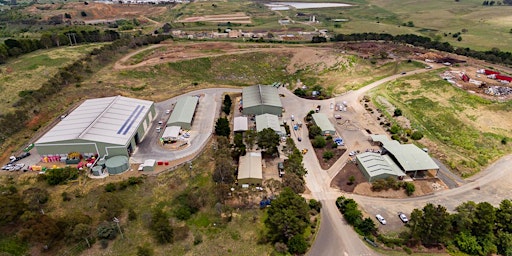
[(111, 126), (250, 171), (183, 113), (261, 99), (396, 160), (376, 166), (269, 121), (322, 121)]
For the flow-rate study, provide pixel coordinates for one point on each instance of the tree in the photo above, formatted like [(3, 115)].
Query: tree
[(319, 141), (35, 198), (226, 105), (162, 230), (314, 131), (367, 226), (394, 129), (268, 140), (351, 179), (12, 208), (431, 225), (239, 146), (294, 182), (224, 170), (504, 215), (288, 216), (222, 127), (250, 139), (467, 243), (397, 112), (328, 155), (485, 218), (82, 231), (297, 244)]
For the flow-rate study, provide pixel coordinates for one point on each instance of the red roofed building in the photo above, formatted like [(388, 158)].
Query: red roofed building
[(490, 72), (504, 78)]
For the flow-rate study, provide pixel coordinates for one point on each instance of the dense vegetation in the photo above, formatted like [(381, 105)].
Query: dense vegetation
[(474, 228), (494, 55)]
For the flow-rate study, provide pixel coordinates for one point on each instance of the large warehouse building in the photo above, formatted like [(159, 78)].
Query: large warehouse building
[(183, 113), (261, 99), (109, 126)]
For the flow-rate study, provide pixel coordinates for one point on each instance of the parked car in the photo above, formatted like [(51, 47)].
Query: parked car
[(280, 169), (168, 111), (403, 217), (304, 151), (381, 219), (23, 155), (158, 129)]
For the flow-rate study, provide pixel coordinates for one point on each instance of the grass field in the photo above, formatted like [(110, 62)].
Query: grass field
[(29, 71), (466, 130)]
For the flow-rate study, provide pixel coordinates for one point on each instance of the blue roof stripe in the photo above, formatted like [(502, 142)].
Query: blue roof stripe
[(128, 120), (133, 120)]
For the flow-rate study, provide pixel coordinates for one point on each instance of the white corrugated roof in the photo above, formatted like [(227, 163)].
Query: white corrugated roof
[(171, 132), (240, 124), (111, 120), (250, 166)]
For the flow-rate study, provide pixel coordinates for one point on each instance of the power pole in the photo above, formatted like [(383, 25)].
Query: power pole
[(116, 220)]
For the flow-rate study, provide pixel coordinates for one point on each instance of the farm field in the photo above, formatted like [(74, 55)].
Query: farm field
[(464, 130), (30, 71)]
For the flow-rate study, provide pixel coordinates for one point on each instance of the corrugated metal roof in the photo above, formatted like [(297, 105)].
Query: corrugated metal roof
[(268, 121), (250, 166), (409, 156), (376, 164), (171, 132), (260, 95), (240, 123), (111, 120), (183, 110), (323, 122)]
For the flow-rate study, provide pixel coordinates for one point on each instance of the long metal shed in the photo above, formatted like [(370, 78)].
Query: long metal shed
[(183, 112), (250, 171), (322, 121)]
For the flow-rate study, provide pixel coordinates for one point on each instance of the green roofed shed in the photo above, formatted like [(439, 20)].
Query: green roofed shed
[(323, 122), (183, 112)]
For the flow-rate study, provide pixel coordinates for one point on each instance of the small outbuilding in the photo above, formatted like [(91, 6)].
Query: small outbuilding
[(322, 121), (171, 133), (240, 124), (149, 165), (183, 112), (250, 171)]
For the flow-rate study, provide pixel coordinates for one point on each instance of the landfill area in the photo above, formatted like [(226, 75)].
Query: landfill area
[(485, 82)]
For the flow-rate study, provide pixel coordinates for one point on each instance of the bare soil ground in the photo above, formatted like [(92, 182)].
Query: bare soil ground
[(326, 164), (238, 17), (95, 11)]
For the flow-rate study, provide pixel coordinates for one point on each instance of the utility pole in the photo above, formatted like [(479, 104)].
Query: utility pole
[(116, 220)]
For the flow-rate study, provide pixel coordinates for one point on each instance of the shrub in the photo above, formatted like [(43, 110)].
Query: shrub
[(328, 155), (297, 244), (394, 129), (106, 230), (319, 142), (395, 137), (409, 188), (104, 243), (417, 135), (281, 247), (65, 196), (379, 185), (145, 250), (198, 238), (110, 187), (132, 215), (397, 112), (315, 205), (60, 176)]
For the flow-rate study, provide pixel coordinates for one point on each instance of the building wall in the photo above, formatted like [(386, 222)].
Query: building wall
[(250, 181), (263, 109), (184, 125), (81, 146)]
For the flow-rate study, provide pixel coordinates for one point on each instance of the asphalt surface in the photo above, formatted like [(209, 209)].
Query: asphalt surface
[(208, 109)]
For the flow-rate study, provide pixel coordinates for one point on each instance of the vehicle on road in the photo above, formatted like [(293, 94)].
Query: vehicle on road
[(168, 111), (337, 116), (292, 117), (160, 122), (158, 129), (352, 153), (299, 139), (304, 151), (381, 219), (403, 217)]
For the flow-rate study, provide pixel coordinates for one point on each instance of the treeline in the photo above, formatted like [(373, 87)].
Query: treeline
[(16, 47), (494, 55), (31, 100), (474, 228)]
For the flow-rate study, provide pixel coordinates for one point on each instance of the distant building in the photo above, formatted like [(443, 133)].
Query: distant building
[(183, 113), (250, 171), (261, 99), (109, 126)]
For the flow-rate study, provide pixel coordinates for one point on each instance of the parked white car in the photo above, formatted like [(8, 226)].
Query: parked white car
[(381, 219)]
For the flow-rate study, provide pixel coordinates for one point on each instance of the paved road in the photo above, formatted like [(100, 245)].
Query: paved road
[(335, 237), (207, 111)]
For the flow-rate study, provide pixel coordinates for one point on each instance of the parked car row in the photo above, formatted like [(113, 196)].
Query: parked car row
[(401, 215), (13, 167), (14, 159)]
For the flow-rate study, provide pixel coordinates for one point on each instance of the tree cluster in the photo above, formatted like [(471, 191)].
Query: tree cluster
[(493, 55), (294, 169), (268, 141), (349, 208), (392, 183)]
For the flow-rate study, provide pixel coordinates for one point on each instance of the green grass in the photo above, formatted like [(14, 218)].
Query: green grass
[(13, 246), (30, 71), (440, 111)]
